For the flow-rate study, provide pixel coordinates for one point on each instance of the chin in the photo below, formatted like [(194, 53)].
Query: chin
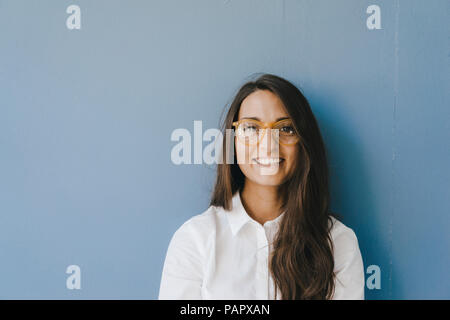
[(268, 180)]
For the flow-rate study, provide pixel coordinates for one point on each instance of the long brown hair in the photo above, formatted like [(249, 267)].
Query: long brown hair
[(302, 261)]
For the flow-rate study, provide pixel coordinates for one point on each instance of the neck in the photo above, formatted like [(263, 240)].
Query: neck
[(262, 203)]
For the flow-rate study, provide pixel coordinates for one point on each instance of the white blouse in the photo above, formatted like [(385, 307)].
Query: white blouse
[(223, 254)]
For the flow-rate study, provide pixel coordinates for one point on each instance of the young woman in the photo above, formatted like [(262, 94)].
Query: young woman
[(268, 233)]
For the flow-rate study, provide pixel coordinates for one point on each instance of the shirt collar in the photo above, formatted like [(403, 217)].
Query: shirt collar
[(238, 216)]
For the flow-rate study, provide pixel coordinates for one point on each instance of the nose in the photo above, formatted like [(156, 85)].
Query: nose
[(269, 146)]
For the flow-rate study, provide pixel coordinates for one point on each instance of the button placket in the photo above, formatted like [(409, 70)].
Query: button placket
[(262, 264)]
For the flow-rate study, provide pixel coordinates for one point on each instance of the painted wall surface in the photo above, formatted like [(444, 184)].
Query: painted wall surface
[(86, 116)]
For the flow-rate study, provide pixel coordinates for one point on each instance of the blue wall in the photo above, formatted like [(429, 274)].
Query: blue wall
[(86, 116)]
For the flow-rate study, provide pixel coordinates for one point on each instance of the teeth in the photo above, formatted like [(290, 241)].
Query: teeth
[(266, 161)]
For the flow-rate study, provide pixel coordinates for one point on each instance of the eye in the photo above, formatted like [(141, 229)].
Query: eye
[(250, 127), (288, 129)]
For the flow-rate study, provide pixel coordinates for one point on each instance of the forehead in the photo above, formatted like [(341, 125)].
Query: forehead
[(264, 105)]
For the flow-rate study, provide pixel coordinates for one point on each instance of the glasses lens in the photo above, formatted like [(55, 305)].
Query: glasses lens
[(249, 131), (286, 132)]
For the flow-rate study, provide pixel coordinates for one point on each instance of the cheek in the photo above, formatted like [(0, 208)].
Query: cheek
[(290, 155), (244, 157), (244, 153)]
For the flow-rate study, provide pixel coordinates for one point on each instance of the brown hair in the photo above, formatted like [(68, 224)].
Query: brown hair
[(302, 261)]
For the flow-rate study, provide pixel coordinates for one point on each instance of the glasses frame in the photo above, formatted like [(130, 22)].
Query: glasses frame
[(265, 125)]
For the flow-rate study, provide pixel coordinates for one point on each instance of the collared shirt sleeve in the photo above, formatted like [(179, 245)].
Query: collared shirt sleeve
[(182, 272), (349, 283)]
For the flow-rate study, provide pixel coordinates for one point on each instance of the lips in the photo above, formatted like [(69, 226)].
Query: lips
[(267, 162)]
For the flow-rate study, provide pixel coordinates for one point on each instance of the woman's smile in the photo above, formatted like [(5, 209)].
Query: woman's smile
[(268, 162)]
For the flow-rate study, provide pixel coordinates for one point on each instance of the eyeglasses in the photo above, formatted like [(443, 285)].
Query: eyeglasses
[(249, 131)]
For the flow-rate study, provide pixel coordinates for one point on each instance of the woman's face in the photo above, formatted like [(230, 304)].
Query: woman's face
[(265, 106)]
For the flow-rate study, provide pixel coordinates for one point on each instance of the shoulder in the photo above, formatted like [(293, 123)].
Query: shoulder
[(201, 223), (185, 257), (197, 230), (341, 233), (344, 238)]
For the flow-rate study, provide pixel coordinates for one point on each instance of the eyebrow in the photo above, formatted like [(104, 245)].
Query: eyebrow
[(256, 118)]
